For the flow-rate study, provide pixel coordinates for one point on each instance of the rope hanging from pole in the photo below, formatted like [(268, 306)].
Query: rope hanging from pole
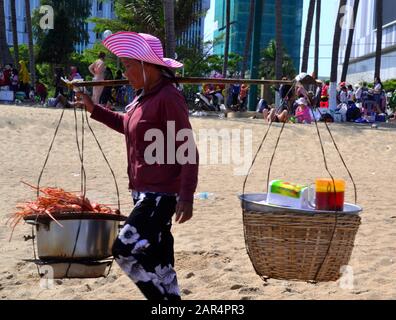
[(336, 214), (83, 182)]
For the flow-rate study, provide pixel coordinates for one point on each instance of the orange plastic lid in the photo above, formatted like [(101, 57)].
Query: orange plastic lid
[(326, 185)]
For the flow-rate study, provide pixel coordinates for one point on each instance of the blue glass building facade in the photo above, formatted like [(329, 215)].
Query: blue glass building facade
[(194, 35), (291, 26)]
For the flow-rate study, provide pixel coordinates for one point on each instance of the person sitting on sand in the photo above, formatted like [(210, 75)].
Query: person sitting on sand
[(41, 91), (303, 112), (263, 108), (280, 114), (160, 187)]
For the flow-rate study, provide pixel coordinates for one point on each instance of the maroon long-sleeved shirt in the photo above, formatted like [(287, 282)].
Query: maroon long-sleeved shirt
[(162, 105)]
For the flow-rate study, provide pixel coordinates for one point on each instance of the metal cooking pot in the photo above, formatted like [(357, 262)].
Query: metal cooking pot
[(88, 237)]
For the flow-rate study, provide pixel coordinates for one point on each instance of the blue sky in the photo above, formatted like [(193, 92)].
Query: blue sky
[(328, 17)]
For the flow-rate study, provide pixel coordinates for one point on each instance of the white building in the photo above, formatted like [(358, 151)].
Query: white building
[(99, 9), (362, 61)]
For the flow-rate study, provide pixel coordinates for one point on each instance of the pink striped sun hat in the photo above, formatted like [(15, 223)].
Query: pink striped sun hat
[(139, 46)]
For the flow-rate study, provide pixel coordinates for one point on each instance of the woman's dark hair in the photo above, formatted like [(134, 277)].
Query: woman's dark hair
[(170, 74), (102, 55), (15, 71)]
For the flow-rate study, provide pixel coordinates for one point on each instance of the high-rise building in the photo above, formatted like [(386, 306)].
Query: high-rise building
[(362, 61), (291, 26), (194, 35), (99, 9)]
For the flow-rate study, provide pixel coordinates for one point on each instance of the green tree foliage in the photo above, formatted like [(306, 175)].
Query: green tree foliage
[(201, 64), (267, 64), (57, 45), (23, 51), (390, 85)]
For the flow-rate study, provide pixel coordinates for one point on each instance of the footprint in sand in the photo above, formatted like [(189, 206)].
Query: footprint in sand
[(88, 288), (236, 287), (249, 290), (67, 291), (186, 292)]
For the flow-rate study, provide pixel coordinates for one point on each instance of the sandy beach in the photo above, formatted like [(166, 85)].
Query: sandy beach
[(211, 258)]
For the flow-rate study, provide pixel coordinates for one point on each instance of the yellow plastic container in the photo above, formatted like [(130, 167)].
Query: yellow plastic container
[(326, 185)]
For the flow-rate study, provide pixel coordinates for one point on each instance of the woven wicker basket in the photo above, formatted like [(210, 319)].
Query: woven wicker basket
[(300, 246)]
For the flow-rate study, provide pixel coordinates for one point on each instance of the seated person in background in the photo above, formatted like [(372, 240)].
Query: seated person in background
[(32, 95), (303, 113), (2, 78), (59, 102), (243, 95), (41, 91), (263, 108), (358, 95), (213, 93), (343, 96), (235, 90), (7, 75), (318, 94), (280, 114), (14, 80), (351, 94), (324, 99)]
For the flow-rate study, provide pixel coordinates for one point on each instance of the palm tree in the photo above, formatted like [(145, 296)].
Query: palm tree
[(14, 32), (349, 43), (169, 17), (307, 39), (378, 51), (248, 39), (267, 63), (317, 37), (30, 41), (278, 39), (5, 55), (334, 59), (227, 38)]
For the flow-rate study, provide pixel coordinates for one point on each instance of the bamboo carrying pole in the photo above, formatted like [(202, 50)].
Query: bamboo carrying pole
[(114, 83)]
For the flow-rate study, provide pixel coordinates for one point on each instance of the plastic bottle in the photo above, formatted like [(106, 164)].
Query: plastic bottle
[(204, 196)]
